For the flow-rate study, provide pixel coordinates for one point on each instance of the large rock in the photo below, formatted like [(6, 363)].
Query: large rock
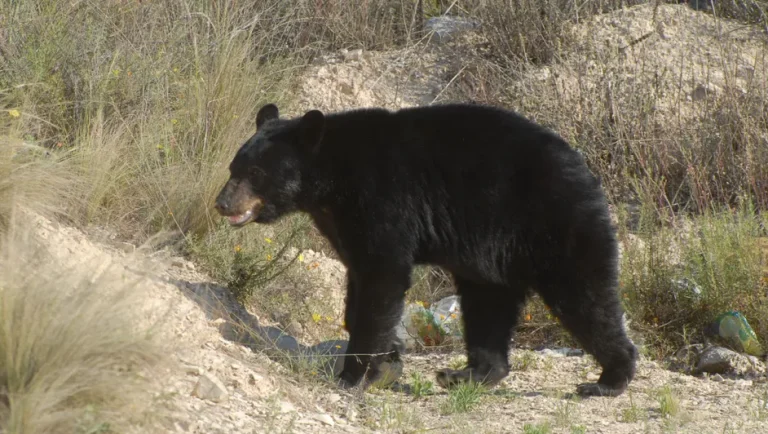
[(719, 360), (210, 388)]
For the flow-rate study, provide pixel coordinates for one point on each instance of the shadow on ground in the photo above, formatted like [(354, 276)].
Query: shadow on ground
[(241, 327)]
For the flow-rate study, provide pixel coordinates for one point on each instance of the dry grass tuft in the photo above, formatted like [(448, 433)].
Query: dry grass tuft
[(75, 357)]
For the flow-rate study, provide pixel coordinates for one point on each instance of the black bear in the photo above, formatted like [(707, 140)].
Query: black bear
[(502, 204)]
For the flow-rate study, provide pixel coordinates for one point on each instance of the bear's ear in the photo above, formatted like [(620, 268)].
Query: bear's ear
[(311, 130), (266, 113)]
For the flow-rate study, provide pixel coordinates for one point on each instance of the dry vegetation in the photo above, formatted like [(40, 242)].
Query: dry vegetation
[(124, 114)]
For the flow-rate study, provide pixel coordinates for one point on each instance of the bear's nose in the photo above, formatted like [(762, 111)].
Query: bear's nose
[(221, 206)]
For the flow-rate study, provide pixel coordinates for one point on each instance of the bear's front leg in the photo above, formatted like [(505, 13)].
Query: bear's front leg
[(350, 303), (379, 300)]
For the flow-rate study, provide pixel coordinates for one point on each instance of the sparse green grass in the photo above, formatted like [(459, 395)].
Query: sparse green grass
[(565, 411), (420, 386), (386, 414), (669, 403), (462, 398), (538, 428), (633, 413), (578, 429), (523, 360)]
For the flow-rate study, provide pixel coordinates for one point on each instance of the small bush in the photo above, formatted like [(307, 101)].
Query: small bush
[(672, 283), (247, 259)]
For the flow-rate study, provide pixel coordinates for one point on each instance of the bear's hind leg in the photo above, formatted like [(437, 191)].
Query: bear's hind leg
[(594, 319), (490, 314)]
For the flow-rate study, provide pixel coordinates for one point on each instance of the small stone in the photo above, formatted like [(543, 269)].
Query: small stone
[(702, 91), (193, 370), (294, 328), (334, 398), (352, 54), (592, 376), (182, 263), (210, 388), (346, 89), (717, 377), (746, 72), (324, 418), (127, 248), (254, 378), (286, 407), (548, 352), (662, 30)]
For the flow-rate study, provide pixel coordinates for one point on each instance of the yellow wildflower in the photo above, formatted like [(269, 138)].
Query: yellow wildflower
[(238, 248), (268, 240), (301, 257), (14, 113), (269, 257), (316, 317)]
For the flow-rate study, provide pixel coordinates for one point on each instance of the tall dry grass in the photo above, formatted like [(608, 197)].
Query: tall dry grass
[(76, 355), (153, 98)]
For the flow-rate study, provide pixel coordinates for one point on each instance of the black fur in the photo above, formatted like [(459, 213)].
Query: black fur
[(502, 204)]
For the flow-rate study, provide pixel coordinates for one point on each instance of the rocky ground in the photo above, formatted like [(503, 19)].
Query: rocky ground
[(219, 384)]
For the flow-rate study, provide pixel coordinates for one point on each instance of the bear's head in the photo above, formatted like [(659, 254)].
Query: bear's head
[(266, 173)]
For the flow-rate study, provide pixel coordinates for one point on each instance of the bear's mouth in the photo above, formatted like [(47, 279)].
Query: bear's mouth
[(238, 220), (242, 219)]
